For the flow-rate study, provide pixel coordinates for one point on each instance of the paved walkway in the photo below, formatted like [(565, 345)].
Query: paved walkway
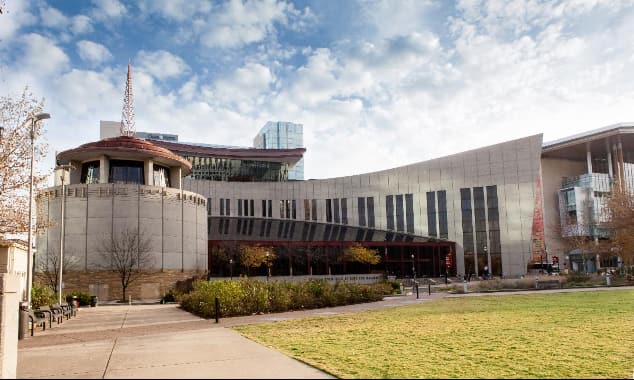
[(163, 341)]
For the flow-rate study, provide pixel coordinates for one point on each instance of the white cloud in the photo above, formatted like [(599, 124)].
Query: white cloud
[(41, 56), (108, 9), (81, 24), (178, 10), (162, 64), (93, 52), (53, 18), (17, 16)]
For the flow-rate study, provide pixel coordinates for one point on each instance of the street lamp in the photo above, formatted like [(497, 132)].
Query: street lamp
[(231, 268), (413, 268), (29, 264), (61, 232), (268, 266)]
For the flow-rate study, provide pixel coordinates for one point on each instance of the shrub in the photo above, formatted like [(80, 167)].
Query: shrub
[(41, 296), (82, 297), (247, 296), (170, 296)]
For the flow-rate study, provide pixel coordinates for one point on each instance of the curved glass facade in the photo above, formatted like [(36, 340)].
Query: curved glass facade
[(123, 171), (226, 169)]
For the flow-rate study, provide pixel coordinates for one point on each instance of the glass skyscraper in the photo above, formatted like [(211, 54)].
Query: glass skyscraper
[(282, 135)]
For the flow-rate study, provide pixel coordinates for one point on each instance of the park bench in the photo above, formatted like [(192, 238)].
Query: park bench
[(37, 318), (547, 284), (68, 310), (48, 313), (60, 312)]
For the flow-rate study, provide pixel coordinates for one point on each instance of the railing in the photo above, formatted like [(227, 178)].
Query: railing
[(596, 181)]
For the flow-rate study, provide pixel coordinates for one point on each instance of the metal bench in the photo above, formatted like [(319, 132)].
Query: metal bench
[(59, 312), (50, 314), (547, 284), (37, 318), (67, 310)]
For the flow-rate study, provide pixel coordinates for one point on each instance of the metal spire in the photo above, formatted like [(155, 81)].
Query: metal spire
[(127, 115)]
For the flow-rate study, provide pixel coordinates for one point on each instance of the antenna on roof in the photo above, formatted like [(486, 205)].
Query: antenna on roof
[(127, 115)]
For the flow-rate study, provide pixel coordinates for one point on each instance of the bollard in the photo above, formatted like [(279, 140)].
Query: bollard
[(464, 283), (217, 309), (429, 289), (416, 291), (129, 299), (607, 279)]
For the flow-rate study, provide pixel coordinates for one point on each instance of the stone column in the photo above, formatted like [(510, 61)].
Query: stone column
[(9, 324)]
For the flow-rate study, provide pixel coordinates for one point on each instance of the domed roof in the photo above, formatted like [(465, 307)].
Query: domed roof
[(124, 147)]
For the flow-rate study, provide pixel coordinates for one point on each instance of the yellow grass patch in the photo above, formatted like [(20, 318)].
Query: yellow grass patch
[(557, 335)]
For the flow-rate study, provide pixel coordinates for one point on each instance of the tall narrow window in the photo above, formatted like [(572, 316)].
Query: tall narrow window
[(494, 230), (467, 230), (361, 209), (288, 208), (294, 205), (480, 225), (314, 209), (239, 207), (246, 207), (208, 206), (344, 210), (328, 210), (251, 209), (431, 214), (389, 211), (442, 214), (400, 224), (336, 209), (263, 208), (161, 176), (282, 210), (371, 212), (270, 208), (222, 206), (228, 207), (409, 212), (306, 209)]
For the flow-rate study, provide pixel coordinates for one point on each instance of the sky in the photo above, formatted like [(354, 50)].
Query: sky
[(376, 84)]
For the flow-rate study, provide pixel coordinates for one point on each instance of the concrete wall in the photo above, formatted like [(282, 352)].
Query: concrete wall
[(174, 221), (512, 166)]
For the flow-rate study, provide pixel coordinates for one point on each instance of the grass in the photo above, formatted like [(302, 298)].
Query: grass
[(556, 335)]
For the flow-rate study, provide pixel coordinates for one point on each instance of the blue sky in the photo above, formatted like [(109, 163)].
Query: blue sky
[(376, 84)]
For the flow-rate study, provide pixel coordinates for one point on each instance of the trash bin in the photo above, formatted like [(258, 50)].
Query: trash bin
[(75, 302), (23, 320), (93, 301)]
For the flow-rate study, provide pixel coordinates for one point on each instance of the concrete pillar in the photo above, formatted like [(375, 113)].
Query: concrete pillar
[(148, 168), (175, 177), (589, 158), (609, 154), (104, 169), (9, 324)]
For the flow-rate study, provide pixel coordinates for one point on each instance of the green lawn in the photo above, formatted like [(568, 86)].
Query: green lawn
[(557, 335)]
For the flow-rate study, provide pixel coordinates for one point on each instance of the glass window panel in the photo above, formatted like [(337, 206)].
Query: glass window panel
[(328, 210), (431, 214), (361, 209), (90, 172), (400, 223), (371, 212), (389, 211), (336, 209), (442, 214), (344, 210), (409, 212)]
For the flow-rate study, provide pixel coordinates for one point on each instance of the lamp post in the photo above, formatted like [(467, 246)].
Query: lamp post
[(29, 259), (61, 232), (268, 266), (413, 268), (231, 268), (488, 267)]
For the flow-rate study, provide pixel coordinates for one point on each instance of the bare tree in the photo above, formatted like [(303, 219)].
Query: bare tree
[(49, 267), (15, 154), (620, 223), (126, 254)]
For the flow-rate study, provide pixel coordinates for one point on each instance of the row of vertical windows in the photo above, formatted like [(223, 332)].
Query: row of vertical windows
[(225, 206), (267, 208), (288, 209), (245, 207), (442, 214), (484, 213), (437, 213), (391, 211), (361, 206), (336, 210)]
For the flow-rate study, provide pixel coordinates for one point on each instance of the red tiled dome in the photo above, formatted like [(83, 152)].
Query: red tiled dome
[(124, 147)]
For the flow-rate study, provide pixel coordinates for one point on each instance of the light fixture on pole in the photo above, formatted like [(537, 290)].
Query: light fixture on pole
[(413, 268), (61, 232), (231, 268), (29, 259), (487, 269)]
